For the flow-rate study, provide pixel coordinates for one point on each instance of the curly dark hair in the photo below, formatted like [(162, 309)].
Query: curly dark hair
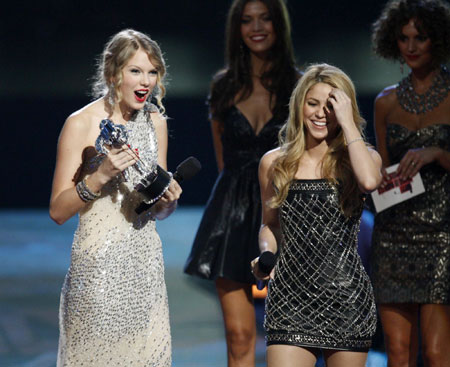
[(432, 18), (279, 80)]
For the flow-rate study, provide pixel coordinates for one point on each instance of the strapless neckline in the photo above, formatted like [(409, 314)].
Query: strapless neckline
[(432, 126)]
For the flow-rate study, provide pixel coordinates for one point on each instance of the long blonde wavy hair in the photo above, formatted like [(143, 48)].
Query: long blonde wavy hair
[(118, 50), (335, 165)]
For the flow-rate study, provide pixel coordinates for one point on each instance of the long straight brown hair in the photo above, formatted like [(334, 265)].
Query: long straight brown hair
[(235, 78)]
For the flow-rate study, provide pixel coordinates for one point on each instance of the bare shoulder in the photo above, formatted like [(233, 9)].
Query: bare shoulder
[(86, 116), (82, 126), (268, 159), (387, 97), (159, 120), (78, 123), (385, 102)]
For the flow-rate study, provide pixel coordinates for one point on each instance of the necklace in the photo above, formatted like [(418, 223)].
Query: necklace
[(416, 103)]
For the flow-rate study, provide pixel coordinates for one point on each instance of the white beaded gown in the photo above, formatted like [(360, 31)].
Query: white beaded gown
[(114, 308)]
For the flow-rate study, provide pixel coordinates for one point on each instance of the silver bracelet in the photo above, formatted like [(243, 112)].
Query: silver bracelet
[(84, 192), (355, 140)]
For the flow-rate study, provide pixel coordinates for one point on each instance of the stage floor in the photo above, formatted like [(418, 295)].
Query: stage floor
[(34, 257)]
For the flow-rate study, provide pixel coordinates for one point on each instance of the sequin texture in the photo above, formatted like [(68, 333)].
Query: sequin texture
[(411, 240), (114, 308), (320, 296), (412, 102)]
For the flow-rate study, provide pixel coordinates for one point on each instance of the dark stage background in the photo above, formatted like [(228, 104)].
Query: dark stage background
[(48, 51)]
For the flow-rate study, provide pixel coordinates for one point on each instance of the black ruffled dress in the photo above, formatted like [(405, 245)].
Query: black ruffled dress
[(227, 238)]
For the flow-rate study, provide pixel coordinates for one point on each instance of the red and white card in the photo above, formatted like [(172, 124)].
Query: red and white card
[(396, 190)]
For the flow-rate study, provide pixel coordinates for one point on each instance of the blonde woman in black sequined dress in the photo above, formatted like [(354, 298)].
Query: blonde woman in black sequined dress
[(312, 189), (114, 309), (411, 240)]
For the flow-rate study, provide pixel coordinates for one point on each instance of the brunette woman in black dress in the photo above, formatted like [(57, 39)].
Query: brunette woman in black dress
[(248, 105)]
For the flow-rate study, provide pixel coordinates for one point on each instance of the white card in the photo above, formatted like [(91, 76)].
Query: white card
[(396, 190)]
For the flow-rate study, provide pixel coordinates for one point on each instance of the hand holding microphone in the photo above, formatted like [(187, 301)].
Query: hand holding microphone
[(185, 171), (263, 266)]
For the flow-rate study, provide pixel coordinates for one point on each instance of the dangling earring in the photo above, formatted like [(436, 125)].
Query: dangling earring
[(148, 102), (156, 91), (402, 63), (111, 95)]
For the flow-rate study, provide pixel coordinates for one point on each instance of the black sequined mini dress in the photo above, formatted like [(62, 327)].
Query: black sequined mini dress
[(320, 296), (227, 238), (411, 240)]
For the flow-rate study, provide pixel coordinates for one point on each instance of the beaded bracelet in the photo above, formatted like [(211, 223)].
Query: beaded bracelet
[(354, 140), (84, 192)]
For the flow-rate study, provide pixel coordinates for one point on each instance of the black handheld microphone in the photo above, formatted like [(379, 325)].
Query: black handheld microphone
[(185, 171), (266, 263)]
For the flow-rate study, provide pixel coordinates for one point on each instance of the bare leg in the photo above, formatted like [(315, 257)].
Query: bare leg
[(239, 319), (280, 355), (400, 327), (340, 358), (435, 331)]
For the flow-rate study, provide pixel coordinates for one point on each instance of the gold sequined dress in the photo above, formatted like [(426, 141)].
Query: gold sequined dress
[(114, 308), (411, 241)]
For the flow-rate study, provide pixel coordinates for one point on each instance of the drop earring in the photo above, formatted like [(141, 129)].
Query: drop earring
[(148, 102), (111, 93)]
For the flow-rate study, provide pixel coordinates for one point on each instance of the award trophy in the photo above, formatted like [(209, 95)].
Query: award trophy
[(154, 181)]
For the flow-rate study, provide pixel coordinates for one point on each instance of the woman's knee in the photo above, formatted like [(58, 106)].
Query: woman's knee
[(241, 335), (435, 355), (398, 351), (435, 325)]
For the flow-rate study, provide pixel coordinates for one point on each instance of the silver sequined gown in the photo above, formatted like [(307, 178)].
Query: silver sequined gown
[(321, 296), (114, 309)]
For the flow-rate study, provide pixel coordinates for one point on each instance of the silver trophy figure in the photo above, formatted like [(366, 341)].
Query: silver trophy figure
[(154, 181)]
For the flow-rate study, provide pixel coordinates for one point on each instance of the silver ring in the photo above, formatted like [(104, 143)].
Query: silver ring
[(413, 163)]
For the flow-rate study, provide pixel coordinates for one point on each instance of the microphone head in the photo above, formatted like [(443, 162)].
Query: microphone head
[(267, 262), (187, 169)]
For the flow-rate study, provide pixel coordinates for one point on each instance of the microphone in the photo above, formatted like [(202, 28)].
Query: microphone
[(184, 171), (266, 263), (187, 169)]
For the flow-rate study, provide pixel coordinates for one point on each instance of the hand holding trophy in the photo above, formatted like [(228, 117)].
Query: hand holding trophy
[(154, 181)]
